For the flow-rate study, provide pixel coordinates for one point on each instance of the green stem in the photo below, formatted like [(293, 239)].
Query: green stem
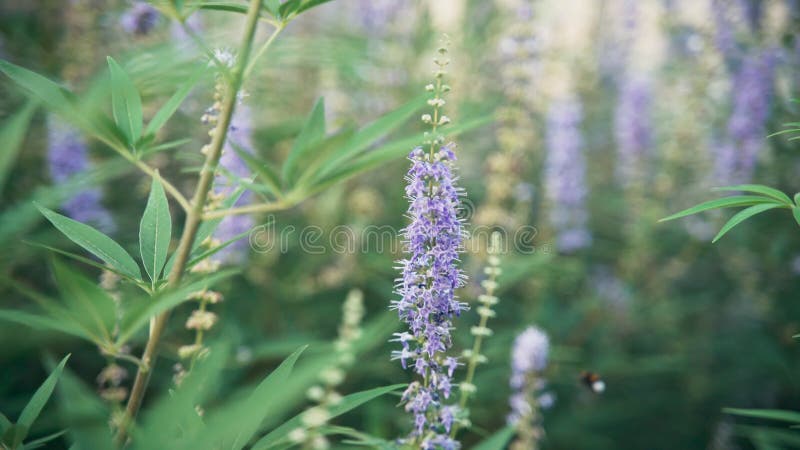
[(193, 220)]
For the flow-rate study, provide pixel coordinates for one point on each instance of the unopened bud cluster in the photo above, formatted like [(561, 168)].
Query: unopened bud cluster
[(110, 381), (485, 311), (324, 394)]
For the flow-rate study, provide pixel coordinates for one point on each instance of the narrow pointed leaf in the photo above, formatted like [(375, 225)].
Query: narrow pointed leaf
[(168, 109), (40, 322), (313, 131), (139, 313), (4, 423), (172, 418), (759, 189), (772, 414), (318, 154), (90, 304), (82, 259), (126, 103), (371, 133), (497, 441), (155, 231), (83, 413), (53, 95), (41, 396), (308, 4), (727, 202), (346, 404), (12, 134), (385, 153), (94, 242), (743, 215), (38, 443), (237, 421), (265, 172)]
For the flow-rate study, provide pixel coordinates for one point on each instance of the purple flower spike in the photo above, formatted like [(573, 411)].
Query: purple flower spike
[(139, 19), (565, 175), (68, 157), (529, 357), (428, 304), (633, 128), (234, 168), (736, 157)]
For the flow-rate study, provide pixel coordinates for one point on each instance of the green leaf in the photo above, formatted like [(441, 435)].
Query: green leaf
[(11, 136), (139, 313), (497, 441), (727, 202), (22, 216), (41, 396), (308, 4), (266, 173), (288, 8), (385, 153), (155, 231), (772, 414), (165, 146), (88, 303), (273, 6), (172, 419), (371, 133), (743, 215), (126, 103), (168, 109), (236, 422), (347, 403), (82, 259), (84, 414), (54, 96), (214, 250), (219, 6), (318, 154), (759, 189), (313, 131), (4, 424), (796, 214), (94, 242), (39, 322), (36, 443)]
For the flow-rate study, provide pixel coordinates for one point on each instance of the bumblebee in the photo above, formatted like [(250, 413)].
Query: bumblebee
[(593, 382)]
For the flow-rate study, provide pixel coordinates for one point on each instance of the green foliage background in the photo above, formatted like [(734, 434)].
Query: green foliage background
[(685, 328)]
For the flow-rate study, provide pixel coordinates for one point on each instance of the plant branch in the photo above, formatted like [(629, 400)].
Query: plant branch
[(263, 49), (169, 187), (193, 220), (249, 209)]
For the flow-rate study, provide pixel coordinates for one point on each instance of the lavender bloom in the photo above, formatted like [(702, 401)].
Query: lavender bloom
[(725, 20), (67, 157), (736, 156), (565, 173), (233, 168), (139, 19), (632, 127), (427, 304), (375, 16), (529, 356)]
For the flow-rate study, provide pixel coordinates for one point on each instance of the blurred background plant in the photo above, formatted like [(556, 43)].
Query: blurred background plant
[(608, 116)]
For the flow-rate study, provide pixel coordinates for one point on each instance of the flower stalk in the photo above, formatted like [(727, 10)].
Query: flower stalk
[(193, 220)]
